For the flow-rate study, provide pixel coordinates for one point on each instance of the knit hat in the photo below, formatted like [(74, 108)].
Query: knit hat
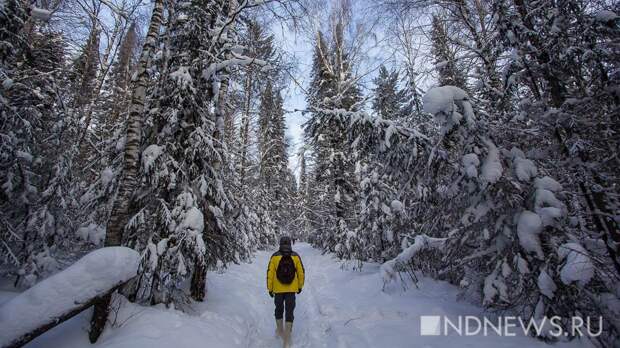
[(285, 240)]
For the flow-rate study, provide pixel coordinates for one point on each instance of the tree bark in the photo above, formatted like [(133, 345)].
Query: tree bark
[(199, 280), (127, 183)]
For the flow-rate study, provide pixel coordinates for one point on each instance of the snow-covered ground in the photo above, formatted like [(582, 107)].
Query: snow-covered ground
[(337, 308)]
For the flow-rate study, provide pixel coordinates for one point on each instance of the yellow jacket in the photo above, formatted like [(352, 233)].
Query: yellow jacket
[(274, 285)]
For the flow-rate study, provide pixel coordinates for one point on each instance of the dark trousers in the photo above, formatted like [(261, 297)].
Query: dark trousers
[(285, 300)]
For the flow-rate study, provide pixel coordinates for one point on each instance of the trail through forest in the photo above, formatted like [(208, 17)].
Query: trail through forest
[(337, 308), (475, 142)]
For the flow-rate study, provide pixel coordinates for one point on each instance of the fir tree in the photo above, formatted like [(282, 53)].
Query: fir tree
[(445, 59), (120, 75), (333, 93), (388, 100), (259, 45), (85, 68), (38, 197), (272, 149)]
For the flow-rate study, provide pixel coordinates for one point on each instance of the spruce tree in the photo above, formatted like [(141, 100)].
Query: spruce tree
[(446, 63), (258, 44), (38, 197), (120, 75), (179, 164), (303, 201), (85, 68), (333, 93), (388, 100), (273, 154)]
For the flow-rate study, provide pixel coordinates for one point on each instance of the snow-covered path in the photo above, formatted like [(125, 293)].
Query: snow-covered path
[(337, 309)]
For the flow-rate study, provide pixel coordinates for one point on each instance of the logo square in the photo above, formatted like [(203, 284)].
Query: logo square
[(430, 325)]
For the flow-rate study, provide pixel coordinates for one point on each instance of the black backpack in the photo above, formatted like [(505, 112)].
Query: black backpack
[(286, 270)]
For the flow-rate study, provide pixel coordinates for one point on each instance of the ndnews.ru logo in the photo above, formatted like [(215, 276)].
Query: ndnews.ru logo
[(436, 325)]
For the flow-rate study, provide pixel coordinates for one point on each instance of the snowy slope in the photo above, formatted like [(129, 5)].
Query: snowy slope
[(337, 308)]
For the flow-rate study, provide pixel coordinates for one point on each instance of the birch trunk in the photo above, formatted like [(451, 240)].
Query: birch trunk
[(118, 216), (127, 182)]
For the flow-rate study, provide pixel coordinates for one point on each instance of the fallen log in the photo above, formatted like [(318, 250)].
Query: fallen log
[(25, 338), (65, 294)]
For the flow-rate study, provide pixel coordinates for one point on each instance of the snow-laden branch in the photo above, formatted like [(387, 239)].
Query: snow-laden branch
[(40, 14), (449, 104), (363, 117), (236, 60), (390, 269)]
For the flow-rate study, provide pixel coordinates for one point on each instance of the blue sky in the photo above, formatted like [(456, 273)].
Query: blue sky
[(373, 52), (300, 48)]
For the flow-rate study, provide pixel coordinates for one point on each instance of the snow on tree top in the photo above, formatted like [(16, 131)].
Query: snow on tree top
[(492, 165), (547, 183), (471, 163), (441, 99), (40, 14), (606, 16), (182, 77), (442, 102), (578, 267), (150, 154), (529, 227), (546, 285), (525, 169)]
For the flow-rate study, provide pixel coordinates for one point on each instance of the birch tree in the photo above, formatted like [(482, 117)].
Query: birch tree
[(127, 182)]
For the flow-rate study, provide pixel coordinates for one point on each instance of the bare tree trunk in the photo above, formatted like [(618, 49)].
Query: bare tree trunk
[(127, 183), (198, 290)]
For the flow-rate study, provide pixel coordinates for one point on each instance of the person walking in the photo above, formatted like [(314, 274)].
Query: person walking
[(285, 279)]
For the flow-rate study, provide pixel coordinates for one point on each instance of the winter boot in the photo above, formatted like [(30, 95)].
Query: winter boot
[(288, 330), (280, 328)]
